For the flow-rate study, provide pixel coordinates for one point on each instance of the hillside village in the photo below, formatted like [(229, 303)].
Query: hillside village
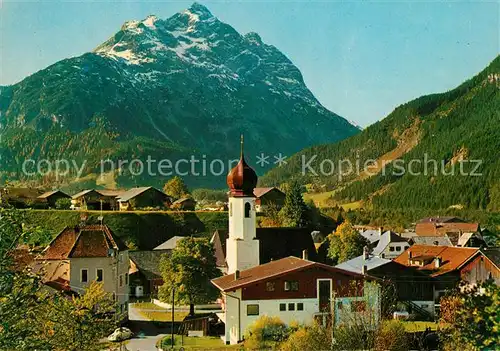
[(286, 273)]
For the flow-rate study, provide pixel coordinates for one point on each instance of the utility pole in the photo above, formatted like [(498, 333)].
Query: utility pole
[(173, 315)]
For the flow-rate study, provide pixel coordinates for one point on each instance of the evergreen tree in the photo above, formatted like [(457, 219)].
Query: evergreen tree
[(294, 211)]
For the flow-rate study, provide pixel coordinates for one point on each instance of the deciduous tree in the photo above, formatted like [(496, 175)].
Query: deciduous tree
[(176, 188), (346, 243), (188, 270)]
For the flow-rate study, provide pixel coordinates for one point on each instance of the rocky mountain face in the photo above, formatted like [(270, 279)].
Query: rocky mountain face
[(165, 88)]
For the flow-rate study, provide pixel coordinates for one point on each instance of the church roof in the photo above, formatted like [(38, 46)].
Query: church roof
[(242, 179)]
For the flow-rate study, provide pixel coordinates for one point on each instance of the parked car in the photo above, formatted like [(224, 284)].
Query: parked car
[(120, 334)]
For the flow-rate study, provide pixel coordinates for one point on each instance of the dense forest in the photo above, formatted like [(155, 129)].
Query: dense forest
[(458, 129)]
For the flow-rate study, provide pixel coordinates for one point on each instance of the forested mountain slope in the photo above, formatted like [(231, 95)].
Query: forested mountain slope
[(459, 128)]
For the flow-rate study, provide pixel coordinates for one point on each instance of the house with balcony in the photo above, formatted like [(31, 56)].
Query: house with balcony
[(448, 266), (295, 290)]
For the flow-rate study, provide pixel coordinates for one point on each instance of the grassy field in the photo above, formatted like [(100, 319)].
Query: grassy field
[(202, 343), (139, 230), (321, 200), (163, 316), (417, 326)]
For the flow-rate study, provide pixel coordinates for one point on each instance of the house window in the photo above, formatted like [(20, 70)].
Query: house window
[(270, 286), (291, 307), (126, 278), (84, 276), (398, 248), (292, 285), (300, 306), (248, 207), (98, 275), (120, 281), (253, 310), (391, 248), (114, 296), (282, 306), (358, 306)]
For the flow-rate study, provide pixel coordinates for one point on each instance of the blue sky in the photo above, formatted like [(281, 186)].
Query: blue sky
[(360, 59)]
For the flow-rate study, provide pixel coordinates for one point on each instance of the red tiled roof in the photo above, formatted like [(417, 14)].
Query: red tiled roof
[(440, 229), (273, 269), (86, 241), (60, 247), (452, 258)]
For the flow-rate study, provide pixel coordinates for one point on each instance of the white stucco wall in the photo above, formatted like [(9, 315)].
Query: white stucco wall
[(387, 253), (242, 251), (237, 323), (112, 269)]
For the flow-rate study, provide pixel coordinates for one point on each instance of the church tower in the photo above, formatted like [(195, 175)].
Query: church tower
[(242, 246)]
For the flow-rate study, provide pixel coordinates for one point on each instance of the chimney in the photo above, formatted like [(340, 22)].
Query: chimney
[(409, 257), (437, 262), (380, 231), (236, 274), (366, 253), (364, 269), (305, 256)]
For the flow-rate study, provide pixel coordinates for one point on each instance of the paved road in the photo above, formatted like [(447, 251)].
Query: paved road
[(146, 334), (148, 343)]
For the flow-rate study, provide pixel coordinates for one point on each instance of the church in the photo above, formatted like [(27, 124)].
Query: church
[(291, 288)]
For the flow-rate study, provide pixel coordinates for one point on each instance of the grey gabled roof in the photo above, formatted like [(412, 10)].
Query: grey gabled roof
[(372, 235), (50, 193), (148, 262), (432, 240), (130, 194), (170, 244), (356, 264)]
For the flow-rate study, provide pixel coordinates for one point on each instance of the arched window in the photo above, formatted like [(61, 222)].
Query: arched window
[(248, 207)]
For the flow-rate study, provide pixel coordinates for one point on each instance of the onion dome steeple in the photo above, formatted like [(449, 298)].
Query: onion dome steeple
[(242, 179)]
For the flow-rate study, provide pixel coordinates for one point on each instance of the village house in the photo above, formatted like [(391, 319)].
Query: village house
[(144, 272), (407, 285), (450, 265), (295, 290), (388, 245), (82, 254), (21, 197), (268, 196), (184, 204), (290, 288), (458, 232), (92, 199), (51, 197), (142, 197)]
